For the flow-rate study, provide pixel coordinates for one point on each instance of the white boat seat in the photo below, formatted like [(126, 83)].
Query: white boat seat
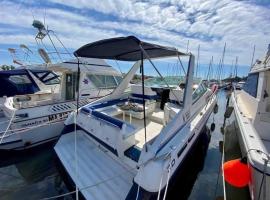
[(149, 96), (170, 110), (110, 110)]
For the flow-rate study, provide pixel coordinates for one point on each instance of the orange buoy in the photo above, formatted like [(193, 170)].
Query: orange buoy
[(237, 172)]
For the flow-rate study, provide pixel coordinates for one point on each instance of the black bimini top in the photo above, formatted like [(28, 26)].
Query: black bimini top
[(124, 49)]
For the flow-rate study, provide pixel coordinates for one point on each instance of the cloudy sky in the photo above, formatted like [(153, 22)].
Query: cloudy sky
[(210, 23)]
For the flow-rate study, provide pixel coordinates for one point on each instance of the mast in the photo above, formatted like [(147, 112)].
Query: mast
[(187, 46), (197, 65), (222, 62), (251, 64)]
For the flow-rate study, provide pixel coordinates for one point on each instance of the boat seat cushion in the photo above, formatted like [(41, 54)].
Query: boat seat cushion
[(114, 121), (149, 94)]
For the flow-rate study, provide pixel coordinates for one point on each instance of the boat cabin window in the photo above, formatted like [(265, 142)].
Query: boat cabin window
[(48, 78), (199, 91), (20, 79), (103, 81), (17, 85), (118, 79), (251, 84)]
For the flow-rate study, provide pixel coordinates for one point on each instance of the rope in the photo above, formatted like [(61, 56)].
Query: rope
[(7, 127), (167, 183), (163, 79), (263, 180), (119, 68), (216, 186), (106, 180), (138, 191), (42, 124), (33, 127), (159, 190), (76, 157), (264, 170), (87, 187)]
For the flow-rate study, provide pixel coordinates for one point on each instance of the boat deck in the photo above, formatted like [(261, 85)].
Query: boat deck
[(99, 176), (153, 126)]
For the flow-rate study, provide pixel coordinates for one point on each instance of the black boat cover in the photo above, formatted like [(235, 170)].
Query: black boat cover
[(124, 49)]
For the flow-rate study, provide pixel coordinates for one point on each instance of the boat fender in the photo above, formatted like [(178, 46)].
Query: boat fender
[(216, 109), (214, 88), (220, 144), (27, 143), (222, 130), (237, 172), (212, 127)]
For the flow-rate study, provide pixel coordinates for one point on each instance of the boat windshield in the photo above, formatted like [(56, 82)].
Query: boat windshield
[(17, 84), (160, 82), (105, 81), (172, 81), (47, 77)]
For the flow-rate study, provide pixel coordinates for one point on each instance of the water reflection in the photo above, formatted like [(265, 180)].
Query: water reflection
[(31, 175)]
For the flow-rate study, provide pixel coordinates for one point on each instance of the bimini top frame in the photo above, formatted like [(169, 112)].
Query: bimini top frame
[(127, 48)]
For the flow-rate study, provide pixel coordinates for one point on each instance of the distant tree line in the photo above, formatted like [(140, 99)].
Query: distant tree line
[(7, 67)]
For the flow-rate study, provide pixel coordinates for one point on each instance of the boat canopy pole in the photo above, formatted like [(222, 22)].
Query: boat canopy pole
[(181, 64), (144, 120), (149, 59), (78, 85)]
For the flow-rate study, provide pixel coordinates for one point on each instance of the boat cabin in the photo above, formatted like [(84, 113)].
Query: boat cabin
[(96, 79), (23, 81)]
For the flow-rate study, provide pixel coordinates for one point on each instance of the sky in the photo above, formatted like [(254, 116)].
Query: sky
[(178, 23)]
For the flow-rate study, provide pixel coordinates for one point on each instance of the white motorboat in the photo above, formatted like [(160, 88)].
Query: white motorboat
[(29, 120), (26, 81), (251, 108), (131, 143)]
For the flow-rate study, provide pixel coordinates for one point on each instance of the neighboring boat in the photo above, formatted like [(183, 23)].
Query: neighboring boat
[(239, 85), (251, 108), (131, 143), (26, 81), (29, 120)]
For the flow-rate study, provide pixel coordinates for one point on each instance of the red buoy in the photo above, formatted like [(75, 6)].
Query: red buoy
[(236, 173)]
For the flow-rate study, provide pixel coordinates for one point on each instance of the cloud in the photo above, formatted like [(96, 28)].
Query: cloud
[(240, 24)]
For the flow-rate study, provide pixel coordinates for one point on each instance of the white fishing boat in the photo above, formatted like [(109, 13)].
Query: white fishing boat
[(251, 108), (29, 119), (131, 143)]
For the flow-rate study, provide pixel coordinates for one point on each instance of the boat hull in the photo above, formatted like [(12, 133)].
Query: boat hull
[(31, 137), (257, 189), (199, 146), (180, 164)]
